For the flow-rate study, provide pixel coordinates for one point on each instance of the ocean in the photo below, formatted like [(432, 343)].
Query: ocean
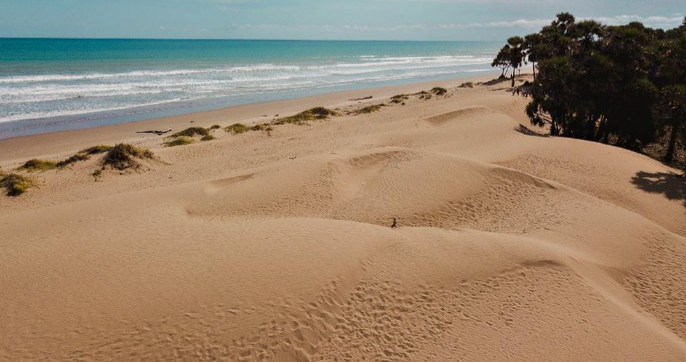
[(58, 84)]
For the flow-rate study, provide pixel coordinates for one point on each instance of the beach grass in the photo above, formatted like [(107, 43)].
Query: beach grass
[(180, 141), (237, 128), (262, 127), (15, 184), (370, 109), (125, 156), (313, 114), (96, 150), (399, 98), (191, 132), (37, 165), (439, 91), (72, 160)]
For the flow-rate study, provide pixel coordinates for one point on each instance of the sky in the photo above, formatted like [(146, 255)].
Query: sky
[(316, 19)]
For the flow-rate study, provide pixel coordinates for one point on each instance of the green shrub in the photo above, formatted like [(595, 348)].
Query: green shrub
[(15, 184), (216, 126), (181, 141), (467, 85), (237, 128), (209, 137), (191, 132), (317, 113), (124, 156), (38, 165)]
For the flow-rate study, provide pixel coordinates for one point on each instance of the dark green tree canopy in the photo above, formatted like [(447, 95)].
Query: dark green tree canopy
[(620, 84)]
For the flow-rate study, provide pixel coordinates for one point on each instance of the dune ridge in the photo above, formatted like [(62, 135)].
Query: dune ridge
[(511, 246)]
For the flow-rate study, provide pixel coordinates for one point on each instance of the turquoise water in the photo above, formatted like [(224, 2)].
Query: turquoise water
[(56, 84)]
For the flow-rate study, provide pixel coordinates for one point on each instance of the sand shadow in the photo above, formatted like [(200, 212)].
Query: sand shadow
[(672, 185), (496, 81), (529, 132)]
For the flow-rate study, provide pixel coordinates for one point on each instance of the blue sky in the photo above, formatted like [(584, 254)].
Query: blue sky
[(315, 19)]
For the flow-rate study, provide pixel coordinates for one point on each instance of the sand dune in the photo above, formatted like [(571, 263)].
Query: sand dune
[(512, 246)]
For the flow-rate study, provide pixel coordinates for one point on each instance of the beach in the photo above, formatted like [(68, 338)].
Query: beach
[(277, 244)]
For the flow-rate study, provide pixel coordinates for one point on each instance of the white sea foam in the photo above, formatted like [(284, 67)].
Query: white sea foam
[(61, 95), (76, 112)]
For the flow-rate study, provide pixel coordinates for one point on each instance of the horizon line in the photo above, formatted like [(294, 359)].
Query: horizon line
[(243, 39)]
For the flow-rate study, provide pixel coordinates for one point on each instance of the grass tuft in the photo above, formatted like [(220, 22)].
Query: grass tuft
[(314, 114), (180, 141), (237, 128), (125, 156), (216, 126), (191, 132), (38, 165), (261, 127), (370, 109), (207, 138), (72, 160), (400, 98), (466, 85), (15, 184), (96, 150), (439, 91)]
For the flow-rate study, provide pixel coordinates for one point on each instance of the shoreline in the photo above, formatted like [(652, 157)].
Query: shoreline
[(52, 144)]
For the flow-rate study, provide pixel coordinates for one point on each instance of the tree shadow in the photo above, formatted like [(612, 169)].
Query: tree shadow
[(496, 81), (672, 185), (529, 132)]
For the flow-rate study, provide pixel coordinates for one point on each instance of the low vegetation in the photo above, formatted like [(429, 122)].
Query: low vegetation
[(72, 160), (439, 91), (314, 114), (180, 141), (96, 150), (191, 132), (237, 128), (124, 156), (370, 109), (261, 127), (36, 165), (399, 98), (186, 137), (15, 184), (97, 175), (466, 85), (424, 95)]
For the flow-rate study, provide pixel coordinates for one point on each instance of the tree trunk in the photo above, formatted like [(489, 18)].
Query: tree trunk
[(590, 128), (669, 157)]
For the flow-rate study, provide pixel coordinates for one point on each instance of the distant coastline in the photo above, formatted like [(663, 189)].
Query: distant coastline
[(51, 85)]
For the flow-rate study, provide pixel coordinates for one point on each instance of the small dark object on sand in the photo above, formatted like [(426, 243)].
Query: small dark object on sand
[(361, 99), (156, 132), (395, 223)]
